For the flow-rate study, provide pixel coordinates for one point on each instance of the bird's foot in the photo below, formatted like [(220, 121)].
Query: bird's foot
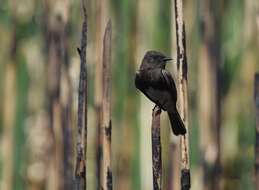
[(156, 107)]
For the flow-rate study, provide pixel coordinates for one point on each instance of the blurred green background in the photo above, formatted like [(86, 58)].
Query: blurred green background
[(222, 42)]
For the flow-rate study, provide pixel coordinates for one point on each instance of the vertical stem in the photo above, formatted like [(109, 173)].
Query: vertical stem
[(156, 149), (9, 104), (209, 95), (101, 19), (98, 89), (106, 110), (67, 130), (9, 107), (174, 167), (55, 30), (132, 104), (182, 92), (80, 173), (256, 90), (66, 145)]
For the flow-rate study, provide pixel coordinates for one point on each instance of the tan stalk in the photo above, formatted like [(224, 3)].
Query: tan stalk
[(156, 149), (209, 96), (256, 91), (98, 89), (106, 110), (182, 92), (81, 147)]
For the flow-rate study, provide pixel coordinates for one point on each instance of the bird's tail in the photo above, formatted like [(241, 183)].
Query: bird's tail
[(176, 123)]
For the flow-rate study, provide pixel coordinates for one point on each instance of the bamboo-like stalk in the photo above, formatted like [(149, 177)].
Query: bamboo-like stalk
[(8, 123), (182, 93), (256, 91), (53, 91), (81, 147), (98, 87), (132, 104), (9, 107), (156, 149), (67, 125), (174, 167), (64, 106), (106, 110), (129, 177), (55, 37), (101, 7), (209, 95)]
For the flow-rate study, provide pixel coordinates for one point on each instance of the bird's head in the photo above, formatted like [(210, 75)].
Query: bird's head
[(154, 59)]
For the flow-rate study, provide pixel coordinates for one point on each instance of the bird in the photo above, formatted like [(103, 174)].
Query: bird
[(157, 84)]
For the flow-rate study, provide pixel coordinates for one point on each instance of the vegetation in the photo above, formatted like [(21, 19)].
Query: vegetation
[(39, 86)]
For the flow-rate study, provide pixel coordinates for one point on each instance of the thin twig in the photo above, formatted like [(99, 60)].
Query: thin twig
[(106, 110), (80, 172), (256, 90), (183, 92), (156, 149)]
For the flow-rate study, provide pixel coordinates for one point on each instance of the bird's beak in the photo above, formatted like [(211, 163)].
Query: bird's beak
[(167, 59)]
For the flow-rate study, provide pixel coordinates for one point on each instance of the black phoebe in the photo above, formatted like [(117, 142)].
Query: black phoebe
[(158, 85)]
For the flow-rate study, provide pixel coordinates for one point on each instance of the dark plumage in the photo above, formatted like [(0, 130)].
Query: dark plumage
[(158, 85)]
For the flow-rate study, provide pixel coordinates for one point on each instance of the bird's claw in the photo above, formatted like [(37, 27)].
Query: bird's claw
[(156, 107)]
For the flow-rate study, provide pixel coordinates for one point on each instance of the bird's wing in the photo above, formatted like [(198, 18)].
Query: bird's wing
[(139, 84), (168, 79), (149, 91)]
